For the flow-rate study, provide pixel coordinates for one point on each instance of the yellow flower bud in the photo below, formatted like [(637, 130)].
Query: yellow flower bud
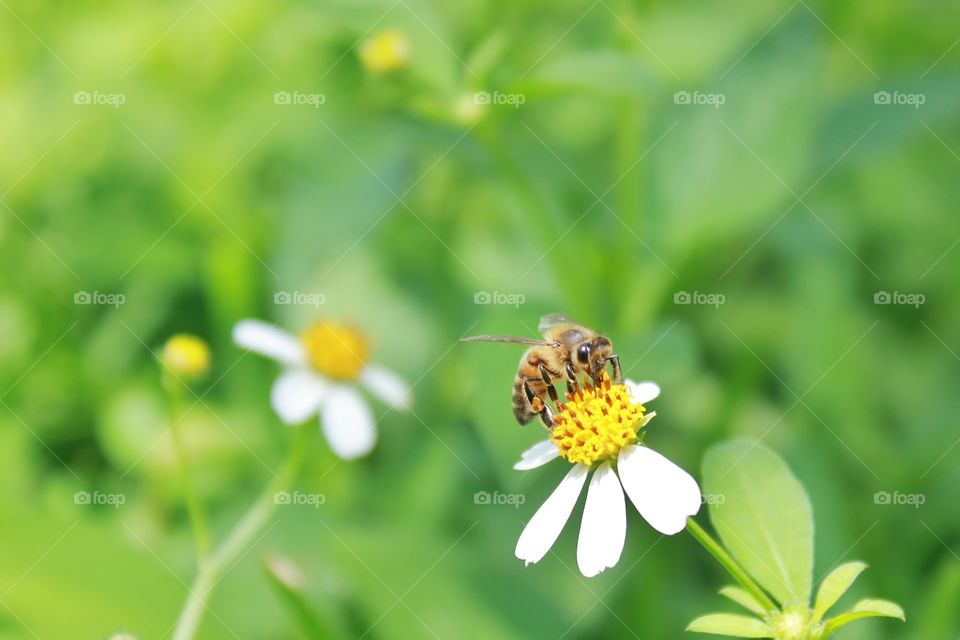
[(187, 356), (385, 51)]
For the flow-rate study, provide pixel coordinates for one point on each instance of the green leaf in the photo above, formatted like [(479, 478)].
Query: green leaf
[(834, 586), (743, 599), (765, 519), (867, 609), (728, 624)]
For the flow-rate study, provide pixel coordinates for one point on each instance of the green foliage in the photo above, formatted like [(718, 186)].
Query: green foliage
[(867, 609), (764, 519), (728, 624), (743, 598), (834, 586), (762, 509), (859, 397)]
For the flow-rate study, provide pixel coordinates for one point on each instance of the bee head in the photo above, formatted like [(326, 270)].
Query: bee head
[(592, 355)]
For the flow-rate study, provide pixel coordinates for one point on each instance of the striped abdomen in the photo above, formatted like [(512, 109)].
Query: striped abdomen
[(529, 369)]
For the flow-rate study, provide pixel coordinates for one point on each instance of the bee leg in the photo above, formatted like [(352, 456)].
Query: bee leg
[(596, 378), (614, 361), (538, 405), (572, 386), (546, 417), (551, 390)]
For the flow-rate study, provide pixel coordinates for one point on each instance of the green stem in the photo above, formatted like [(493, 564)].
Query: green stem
[(238, 541), (198, 519), (735, 570)]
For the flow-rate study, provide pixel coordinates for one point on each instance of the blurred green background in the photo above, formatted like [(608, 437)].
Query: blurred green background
[(145, 156)]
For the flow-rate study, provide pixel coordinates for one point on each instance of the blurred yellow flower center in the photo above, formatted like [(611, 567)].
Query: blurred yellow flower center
[(386, 51), (186, 355), (336, 351), (596, 423)]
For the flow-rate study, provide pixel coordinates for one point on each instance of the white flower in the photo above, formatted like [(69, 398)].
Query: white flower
[(597, 430), (322, 368)]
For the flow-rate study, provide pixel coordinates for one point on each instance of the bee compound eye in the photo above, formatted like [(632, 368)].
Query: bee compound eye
[(583, 353)]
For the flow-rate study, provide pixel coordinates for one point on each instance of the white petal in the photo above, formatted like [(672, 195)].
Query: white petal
[(604, 527), (347, 423), (662, 492), (546, 524), (642, 392), (387, 386), (537, 455), (297, 394), (268, 340)]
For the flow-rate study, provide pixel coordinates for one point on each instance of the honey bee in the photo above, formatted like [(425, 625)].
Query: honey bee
[(567, 350)]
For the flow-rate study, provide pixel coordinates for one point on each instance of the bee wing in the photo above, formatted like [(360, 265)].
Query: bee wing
[(551, 320), (513, 339)]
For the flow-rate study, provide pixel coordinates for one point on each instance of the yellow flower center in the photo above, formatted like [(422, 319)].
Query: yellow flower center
[(596, 423), (386, 51), (336, 351), (187, 356)]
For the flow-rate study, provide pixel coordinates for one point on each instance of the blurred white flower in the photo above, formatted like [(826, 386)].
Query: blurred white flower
[(596, 430), (323, 369)]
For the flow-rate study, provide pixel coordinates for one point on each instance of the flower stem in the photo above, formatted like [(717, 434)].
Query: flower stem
[(198, 519), (727, 562), (244, 534)]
